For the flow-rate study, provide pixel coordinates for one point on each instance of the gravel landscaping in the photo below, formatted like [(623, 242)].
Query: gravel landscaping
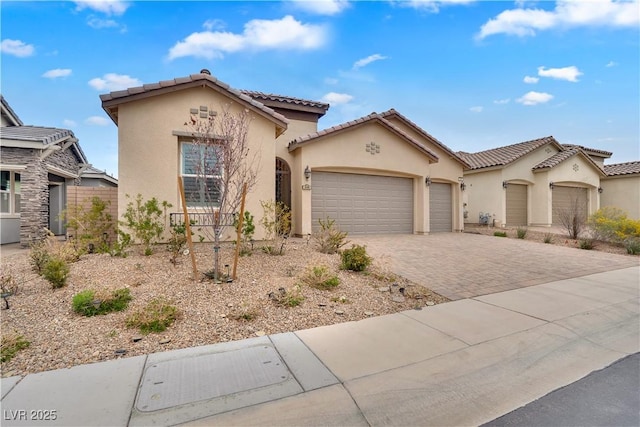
[(208, 313)]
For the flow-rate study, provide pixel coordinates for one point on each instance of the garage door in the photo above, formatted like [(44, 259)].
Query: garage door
[(363, 204), (516, 204), (568, 200), (440, 207)]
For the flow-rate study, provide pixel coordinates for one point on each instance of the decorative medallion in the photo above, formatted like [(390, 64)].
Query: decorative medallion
[(372, 148), (576, 167)]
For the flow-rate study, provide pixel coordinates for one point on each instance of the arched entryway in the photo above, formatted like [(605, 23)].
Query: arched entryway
[(283, 182)]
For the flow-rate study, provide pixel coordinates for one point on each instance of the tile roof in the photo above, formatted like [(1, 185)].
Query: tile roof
[(46, 135), (286, 99), (12, 114), (622, 168), (502, 156), (92, 172), (392, 112), (353, 123), (589, 150), (146, 90), (561, 156)]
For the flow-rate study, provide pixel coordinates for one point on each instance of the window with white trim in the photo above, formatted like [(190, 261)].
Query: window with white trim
[(9, 192), (201, 173)]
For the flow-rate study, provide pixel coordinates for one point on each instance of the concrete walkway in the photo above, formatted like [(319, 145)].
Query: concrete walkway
[(461, 363)]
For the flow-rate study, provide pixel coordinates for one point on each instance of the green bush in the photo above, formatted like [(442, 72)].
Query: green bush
[(178, 240), (276, 220), (355, 259), (10, 345), (248, 229), (329, 239), (521, 233), (632, 245), (586, 244), (90, 226), (611, 224), (88, 303), (548, 238), (146, 220), (319, 277), (287, 298), (56, 271), (500, 233), (41, 251), (156, 316)]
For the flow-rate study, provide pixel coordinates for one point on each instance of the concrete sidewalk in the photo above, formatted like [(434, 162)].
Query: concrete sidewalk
[(461, 363)]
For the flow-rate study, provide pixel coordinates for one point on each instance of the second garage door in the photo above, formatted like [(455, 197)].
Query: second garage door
[(440, 207), (516, 204), (569, 201), (363, 204)]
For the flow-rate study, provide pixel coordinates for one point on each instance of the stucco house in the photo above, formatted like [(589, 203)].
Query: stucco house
[(531, 182), (621, 187), (37, 165), (377, 174)]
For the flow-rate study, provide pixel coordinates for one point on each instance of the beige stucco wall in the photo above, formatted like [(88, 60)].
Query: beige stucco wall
[(345, 152), (486, 194), (622, 192), (149, 152)]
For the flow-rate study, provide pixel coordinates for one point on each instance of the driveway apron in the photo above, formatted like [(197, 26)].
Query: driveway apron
[(461, 265)]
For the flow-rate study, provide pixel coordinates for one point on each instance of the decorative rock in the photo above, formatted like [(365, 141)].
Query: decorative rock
[(230, 304), (165, 341), (96, 354), (121, 351), (430, 303), (261, 333), (398, 299), (223, 315), (339, 312), (322, 304), (136, 338), (368, 313), (384, 289)]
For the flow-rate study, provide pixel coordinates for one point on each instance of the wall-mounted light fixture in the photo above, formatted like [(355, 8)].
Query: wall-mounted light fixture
[(463, 186), (427, 181), (551, 185), (505, 184), (307, 173), (600, 190)]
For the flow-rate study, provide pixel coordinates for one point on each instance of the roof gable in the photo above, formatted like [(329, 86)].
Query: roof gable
[(561, 156), (288, 102), (8, 112), (111, 100), (41, 137), (371, 118), (503, 156)]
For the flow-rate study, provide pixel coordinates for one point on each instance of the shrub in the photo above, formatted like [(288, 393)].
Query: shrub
[(50, 247), (521, 233), (244, 312), (329, 239), (287, 298), (573, 217), (612, 225), (120, 246), (248, 229), (586, 244), (146, 221), (90, 226), (88, 303), (319, 277), (276, 221), (56, 271), (156, 316), (632, 245), (548, 238), (177, 241), (500, 233), (355, 259), (10, 345), (8, 284)]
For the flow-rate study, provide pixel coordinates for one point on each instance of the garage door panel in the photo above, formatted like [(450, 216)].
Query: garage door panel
[(440, 207), (568, 199), (516, 195), (363, 204)]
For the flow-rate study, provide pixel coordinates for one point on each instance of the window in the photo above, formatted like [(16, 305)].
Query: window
[(200, 174), (9, 192)]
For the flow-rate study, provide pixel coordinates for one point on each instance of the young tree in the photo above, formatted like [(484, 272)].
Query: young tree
[(219, 163), (573, 216)]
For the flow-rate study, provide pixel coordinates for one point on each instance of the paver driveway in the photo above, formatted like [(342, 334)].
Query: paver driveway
[(462, 265)]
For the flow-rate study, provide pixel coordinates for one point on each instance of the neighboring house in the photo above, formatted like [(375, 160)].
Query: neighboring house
[(93, 177), (532, 183), (377, 174), (621, 188), (37, 165)]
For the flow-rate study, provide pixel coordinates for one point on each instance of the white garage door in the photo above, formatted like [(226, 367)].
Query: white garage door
[(516, 204), (568, 201), (363, 204), (440, 207)]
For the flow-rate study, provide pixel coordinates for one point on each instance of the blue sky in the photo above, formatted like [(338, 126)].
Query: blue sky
[(474, 74)]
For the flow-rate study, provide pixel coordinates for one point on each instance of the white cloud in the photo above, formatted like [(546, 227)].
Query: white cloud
[(322, 7), (108, 7), (57, 72), (112, 81), (97, 121), (16, 48), (259, 34), (611, 64), (502, 101), (337, 98), (213, 24), (530, 80), (99, 23), (567, 73), (477, 109), (566, 14), (534, 98), (69, 123), (430, 5), (368, 60)]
